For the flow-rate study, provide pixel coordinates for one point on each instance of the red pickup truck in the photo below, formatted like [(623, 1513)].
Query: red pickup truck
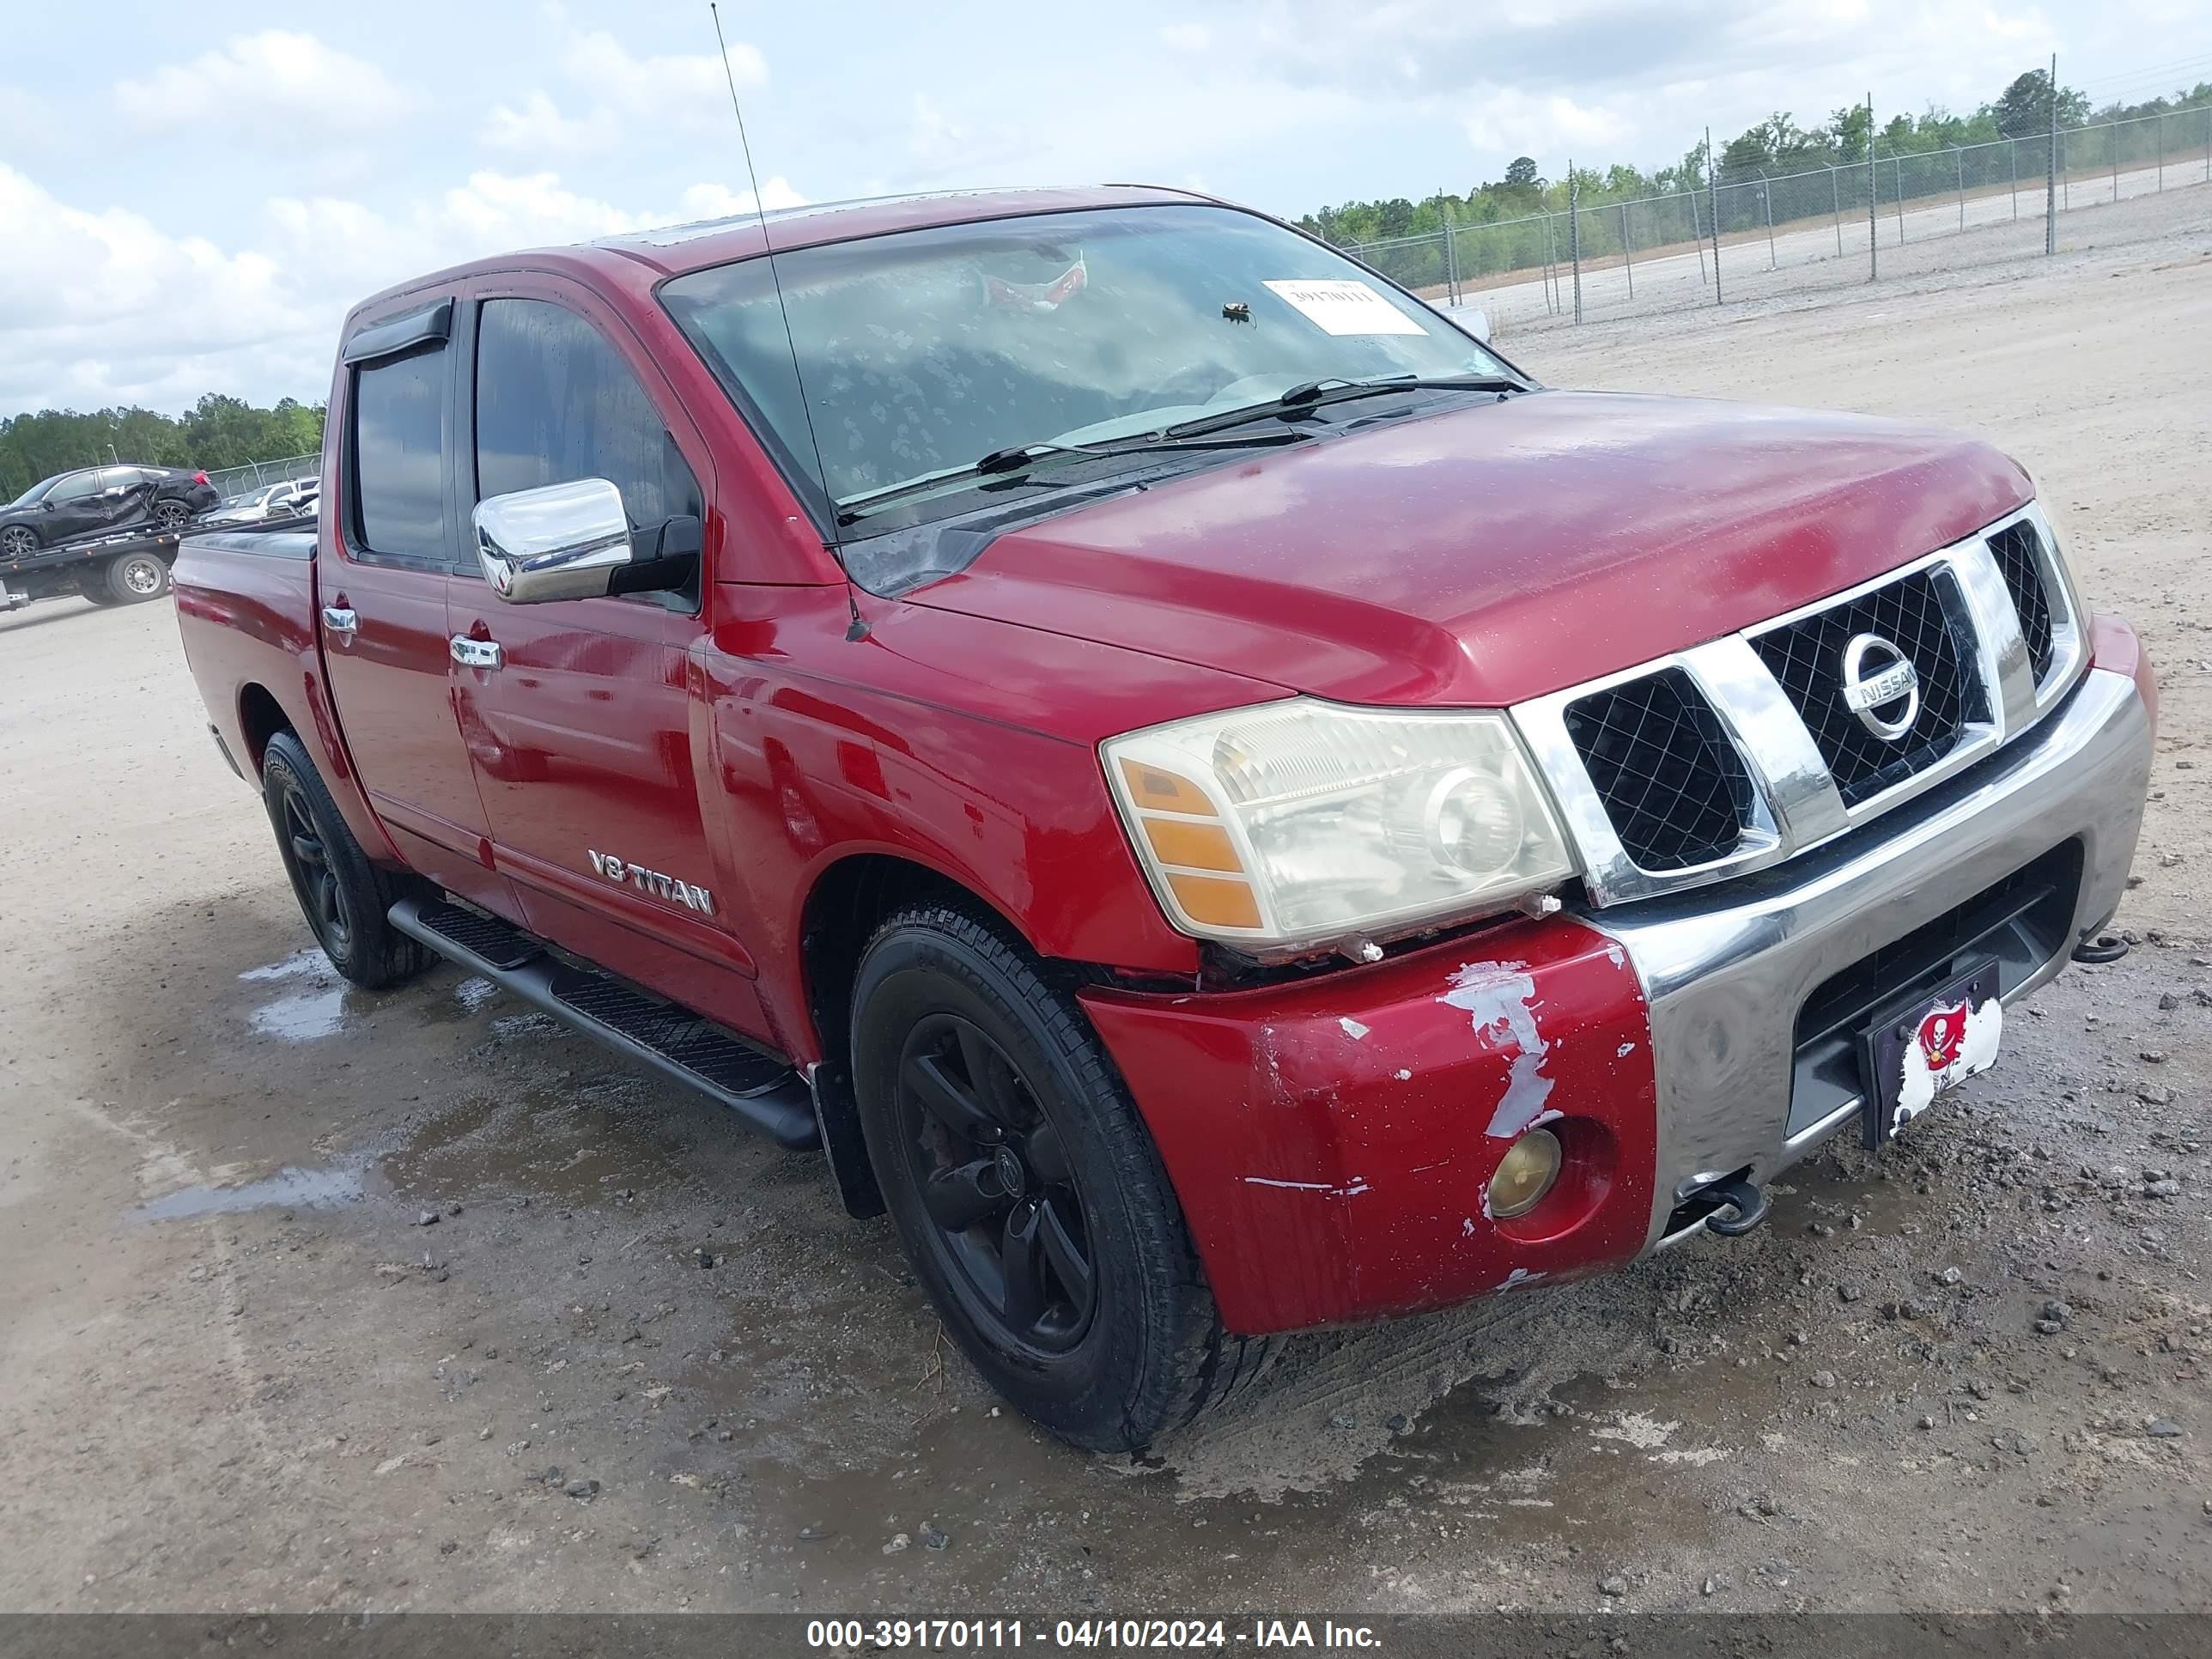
[(1203, 789)]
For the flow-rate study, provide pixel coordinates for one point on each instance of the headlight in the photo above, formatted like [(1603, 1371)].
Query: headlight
[(1298, 824)]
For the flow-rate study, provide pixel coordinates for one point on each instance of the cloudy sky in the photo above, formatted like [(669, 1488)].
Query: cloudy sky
[(189, 202)]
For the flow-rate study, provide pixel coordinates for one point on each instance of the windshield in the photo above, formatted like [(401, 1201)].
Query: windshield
[(924, 351)]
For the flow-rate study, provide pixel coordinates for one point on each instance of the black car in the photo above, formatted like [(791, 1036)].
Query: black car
[(100, 501)]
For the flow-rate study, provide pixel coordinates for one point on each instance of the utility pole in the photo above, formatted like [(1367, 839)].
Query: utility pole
[(1874, 231), (1713, 185), (1451, 249), (2050, 170), (1575, 233)]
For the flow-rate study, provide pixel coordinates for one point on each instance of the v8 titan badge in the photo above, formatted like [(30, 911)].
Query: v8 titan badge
[(1920, 1050)]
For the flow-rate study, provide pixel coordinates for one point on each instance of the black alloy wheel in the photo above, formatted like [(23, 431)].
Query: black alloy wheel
[(1025, 1188), (345, 899), (996, 1180), (307, 861)]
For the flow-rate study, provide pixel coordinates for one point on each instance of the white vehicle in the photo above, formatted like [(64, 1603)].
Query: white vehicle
[(291, 499)]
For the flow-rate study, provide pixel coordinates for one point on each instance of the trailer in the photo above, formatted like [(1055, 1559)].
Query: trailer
[(127, 569)]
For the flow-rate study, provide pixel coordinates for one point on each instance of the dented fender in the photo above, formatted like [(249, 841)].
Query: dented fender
[(1331, 1141)]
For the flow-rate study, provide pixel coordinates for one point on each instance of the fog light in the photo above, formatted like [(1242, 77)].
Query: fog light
[(1526, 1173)]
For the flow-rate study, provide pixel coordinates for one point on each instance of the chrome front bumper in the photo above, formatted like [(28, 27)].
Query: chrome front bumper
[(1725, 982)]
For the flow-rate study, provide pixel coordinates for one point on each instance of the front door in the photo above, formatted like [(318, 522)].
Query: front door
[(77, 507), (582, 733), (384, 573)]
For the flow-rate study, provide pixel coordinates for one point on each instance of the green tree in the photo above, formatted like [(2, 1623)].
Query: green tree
[(2024, 107)]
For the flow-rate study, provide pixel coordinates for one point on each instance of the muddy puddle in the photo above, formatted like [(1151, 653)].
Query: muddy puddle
[(311, 1002), (323, 1189)]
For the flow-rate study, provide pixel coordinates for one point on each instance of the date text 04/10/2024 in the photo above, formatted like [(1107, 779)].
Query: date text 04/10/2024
[(879, 1634)]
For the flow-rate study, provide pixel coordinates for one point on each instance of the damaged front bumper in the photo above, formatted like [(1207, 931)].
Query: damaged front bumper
[(1330, 1140), (2020, 858)]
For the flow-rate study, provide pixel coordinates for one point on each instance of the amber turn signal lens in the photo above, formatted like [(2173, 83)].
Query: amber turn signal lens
[(1154, 789), (1216, 902), (1194, 846), (1526, 1173)]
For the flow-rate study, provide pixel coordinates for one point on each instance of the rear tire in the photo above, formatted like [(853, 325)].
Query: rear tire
[(135, 578), (344, 897), (1027, 1192)]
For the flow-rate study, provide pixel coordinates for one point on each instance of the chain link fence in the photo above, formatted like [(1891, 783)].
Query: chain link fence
[(236, 481), (1751, 238)]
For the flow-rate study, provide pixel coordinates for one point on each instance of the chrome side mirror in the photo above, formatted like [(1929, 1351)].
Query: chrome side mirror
[(562, 541)]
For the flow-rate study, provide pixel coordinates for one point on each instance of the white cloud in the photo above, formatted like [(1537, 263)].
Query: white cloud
[(276, 86), (100, 307), (688, 87), (539, 128), (624, 94), (1554, 125)]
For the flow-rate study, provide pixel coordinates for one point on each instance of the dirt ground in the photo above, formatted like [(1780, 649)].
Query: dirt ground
[(638, 1360)]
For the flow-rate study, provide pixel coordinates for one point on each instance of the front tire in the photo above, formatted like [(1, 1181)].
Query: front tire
[(1026, 1191), (344, 897), (135, 578)]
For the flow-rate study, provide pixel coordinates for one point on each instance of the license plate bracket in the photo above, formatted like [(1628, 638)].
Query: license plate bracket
[(1926, 1044)]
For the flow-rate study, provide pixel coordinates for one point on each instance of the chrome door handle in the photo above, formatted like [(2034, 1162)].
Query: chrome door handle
[(475, 653), (340, 620)]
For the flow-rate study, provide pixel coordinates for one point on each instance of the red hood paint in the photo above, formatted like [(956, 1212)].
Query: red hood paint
[(1495, 551)]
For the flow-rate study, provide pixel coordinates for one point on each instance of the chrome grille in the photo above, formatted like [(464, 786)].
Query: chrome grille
[(1672, 782), (2018, 552), (1736, 754), (1923, 615)]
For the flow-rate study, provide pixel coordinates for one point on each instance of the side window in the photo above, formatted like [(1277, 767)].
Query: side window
[(554, 403), (398, 442)]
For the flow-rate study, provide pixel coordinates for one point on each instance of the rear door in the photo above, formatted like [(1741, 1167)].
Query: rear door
[(582, 736), (382, 580), (128, 493)]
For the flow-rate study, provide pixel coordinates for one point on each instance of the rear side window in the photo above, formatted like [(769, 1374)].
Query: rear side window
[(398, 440), (555, 402)]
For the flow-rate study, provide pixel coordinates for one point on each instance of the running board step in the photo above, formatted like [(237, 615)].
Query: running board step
[(767, 1095)]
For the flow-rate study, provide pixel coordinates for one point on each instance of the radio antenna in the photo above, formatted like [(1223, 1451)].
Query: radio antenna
[(857, 629)]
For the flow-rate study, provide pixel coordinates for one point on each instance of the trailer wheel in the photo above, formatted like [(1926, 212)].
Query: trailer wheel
[(134, 578), (18, 541), (1027, 1192), (346, 898)]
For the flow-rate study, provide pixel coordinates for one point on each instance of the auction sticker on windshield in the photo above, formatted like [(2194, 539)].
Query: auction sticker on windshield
[(1345, 307)]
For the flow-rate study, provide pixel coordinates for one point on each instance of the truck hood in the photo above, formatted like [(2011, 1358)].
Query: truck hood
[(1498, 550)]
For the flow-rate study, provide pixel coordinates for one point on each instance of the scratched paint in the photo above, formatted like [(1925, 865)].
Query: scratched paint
[(1501, 998), (1351, 1188)]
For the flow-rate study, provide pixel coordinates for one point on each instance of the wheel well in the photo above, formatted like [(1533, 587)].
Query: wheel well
[(259, 719), (848, 902)]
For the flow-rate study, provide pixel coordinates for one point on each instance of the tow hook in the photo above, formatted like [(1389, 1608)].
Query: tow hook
[(2111, 947), (1749, 1204)]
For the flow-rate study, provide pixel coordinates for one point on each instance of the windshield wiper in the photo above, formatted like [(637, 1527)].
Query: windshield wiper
[(1316, 394), (1019, 458)]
